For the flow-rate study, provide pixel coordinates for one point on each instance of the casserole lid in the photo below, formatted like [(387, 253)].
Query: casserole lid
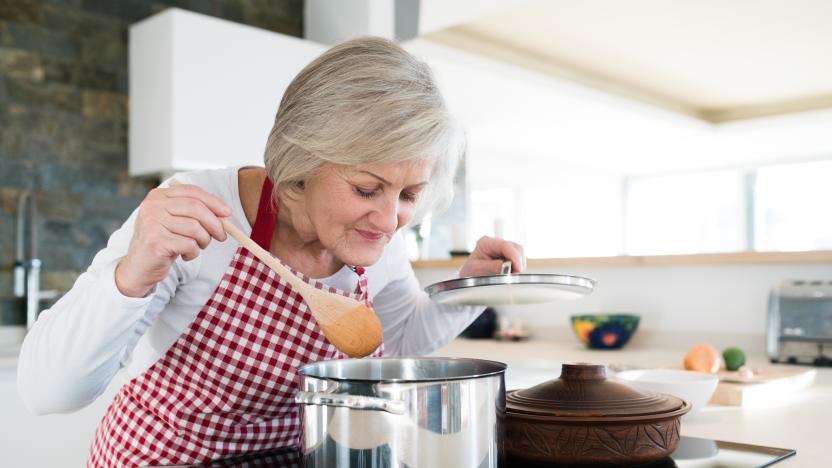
[(583, 393)]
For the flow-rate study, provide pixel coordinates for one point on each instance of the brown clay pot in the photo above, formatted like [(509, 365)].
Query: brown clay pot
[(582, 418)]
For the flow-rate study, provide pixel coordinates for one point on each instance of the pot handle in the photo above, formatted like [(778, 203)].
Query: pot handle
[(351, 401)]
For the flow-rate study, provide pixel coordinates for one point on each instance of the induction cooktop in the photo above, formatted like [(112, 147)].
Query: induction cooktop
[(691, 452), (707, 453)]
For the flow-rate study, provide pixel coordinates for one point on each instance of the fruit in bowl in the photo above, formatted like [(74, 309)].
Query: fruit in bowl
[(604, 331)]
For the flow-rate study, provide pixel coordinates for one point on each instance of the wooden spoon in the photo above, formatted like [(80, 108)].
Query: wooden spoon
[(348, 324)]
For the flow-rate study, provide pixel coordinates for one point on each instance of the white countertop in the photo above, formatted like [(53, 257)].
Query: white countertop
[(797, 421)]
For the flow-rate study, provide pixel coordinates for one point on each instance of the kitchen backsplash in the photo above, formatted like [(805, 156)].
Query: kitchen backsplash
[(63, 122)]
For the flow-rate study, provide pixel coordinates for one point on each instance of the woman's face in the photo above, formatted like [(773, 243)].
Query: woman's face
[(355, 210)]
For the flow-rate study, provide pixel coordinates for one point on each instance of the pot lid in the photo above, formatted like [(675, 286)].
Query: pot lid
[(583, 392), (509, 288)]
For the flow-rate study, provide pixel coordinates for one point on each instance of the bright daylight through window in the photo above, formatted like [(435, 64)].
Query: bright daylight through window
[(782, 207), (791, 207), (711, 211), (686, 213)]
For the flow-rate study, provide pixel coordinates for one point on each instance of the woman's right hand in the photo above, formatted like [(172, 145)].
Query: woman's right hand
[(176, 221)]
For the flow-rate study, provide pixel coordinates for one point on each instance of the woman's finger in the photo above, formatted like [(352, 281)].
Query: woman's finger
[(522, 251), (481, 267), (217, 206), (187, 227), (193, 208), (493, 248), (185, 247)]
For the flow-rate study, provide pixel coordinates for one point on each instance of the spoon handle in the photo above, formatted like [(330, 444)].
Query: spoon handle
[(258, 251), (263, 255)]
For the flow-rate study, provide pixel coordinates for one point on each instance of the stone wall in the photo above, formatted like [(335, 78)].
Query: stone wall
[(63, 122)]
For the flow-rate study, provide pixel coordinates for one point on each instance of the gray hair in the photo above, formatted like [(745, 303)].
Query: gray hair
[(365, 101)]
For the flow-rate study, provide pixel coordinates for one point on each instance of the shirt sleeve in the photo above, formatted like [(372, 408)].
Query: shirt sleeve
[(76, 347), (413, 323)]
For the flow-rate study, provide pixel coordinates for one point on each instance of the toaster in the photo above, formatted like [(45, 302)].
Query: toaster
[(799, 329)]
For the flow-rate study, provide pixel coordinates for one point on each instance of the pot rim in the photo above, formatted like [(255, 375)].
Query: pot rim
[(308, 369)]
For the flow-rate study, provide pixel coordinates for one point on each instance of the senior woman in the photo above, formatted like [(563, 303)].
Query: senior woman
[(209, 337)]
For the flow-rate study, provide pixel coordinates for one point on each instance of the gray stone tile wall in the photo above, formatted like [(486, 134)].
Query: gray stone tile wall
[(63, 122)]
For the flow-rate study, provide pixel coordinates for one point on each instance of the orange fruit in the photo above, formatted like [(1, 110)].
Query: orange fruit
[(702, 358)]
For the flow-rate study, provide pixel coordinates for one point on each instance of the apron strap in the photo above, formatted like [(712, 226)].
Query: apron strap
[(266, 218)]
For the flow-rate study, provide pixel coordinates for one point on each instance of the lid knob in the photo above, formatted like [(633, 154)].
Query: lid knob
[(583, 371)]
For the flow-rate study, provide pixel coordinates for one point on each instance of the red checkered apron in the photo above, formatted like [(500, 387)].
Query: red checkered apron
[(226, 386)]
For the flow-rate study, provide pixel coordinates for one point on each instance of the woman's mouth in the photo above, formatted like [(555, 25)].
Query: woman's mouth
[(370, 235)]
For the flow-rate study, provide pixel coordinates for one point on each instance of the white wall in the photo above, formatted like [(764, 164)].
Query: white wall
[(679, 305)]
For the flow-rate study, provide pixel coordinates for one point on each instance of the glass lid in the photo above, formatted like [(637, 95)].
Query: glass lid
[(510, 289)]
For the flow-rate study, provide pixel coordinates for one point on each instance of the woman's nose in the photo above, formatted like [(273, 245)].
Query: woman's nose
[(386, 217)]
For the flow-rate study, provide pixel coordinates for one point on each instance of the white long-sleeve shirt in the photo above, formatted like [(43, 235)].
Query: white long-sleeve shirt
[(76, 347)]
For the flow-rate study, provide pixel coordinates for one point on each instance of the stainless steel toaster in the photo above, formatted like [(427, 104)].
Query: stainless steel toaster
[(800, 322)]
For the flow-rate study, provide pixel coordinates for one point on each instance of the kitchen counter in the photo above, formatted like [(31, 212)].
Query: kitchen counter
[(794, 421), (797, 421)]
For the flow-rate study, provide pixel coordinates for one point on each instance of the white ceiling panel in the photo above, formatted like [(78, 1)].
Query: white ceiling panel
[(715, 59)]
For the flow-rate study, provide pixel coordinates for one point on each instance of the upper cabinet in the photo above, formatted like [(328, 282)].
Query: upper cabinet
[(204, 91)]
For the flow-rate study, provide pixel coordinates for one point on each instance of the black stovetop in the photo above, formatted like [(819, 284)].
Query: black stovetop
[(692, 451)]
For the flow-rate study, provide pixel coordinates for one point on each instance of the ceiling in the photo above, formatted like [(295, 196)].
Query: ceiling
[(718, 60)]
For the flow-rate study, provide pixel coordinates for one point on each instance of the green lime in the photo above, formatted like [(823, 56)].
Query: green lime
[(734, 358)]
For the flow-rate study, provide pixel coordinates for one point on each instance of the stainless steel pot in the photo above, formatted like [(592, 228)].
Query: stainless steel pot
[(396, 412)]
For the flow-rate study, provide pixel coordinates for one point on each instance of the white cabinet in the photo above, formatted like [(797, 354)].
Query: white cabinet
[(204, 91), (60, 440)]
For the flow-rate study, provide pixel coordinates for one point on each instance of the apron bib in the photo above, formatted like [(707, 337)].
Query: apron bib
[(226, 387)]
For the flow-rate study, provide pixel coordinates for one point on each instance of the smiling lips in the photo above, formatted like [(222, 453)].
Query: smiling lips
[(370, 235)]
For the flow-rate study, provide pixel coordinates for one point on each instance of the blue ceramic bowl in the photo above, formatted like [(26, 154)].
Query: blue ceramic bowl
[(604, 331)]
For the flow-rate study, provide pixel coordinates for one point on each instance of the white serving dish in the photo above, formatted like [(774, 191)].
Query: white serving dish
[(694, 387)]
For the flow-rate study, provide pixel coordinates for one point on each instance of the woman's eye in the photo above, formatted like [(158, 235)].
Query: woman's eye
[(365, 193), (409, 197)]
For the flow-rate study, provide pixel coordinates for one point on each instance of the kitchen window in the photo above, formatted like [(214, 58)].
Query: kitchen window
[(792, 207), (685, 213), (554, 213), (581, 219), (770, 208)]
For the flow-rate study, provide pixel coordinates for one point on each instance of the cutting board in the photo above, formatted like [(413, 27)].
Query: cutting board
[(767, 384)]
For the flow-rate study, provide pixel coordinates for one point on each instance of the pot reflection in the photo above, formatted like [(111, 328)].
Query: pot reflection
[(420, 412)]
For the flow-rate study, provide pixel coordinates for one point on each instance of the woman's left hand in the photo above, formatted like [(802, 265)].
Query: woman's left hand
[(489, 255)]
